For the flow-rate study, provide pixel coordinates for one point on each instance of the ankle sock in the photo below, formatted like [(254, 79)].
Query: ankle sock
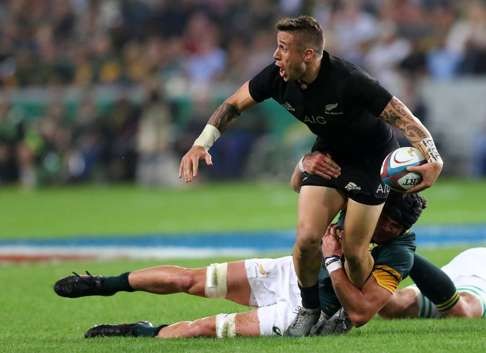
[(310, 296), (117, 283)]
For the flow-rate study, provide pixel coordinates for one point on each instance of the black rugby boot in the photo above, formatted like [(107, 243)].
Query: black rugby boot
[(76, 286), (137, 329)]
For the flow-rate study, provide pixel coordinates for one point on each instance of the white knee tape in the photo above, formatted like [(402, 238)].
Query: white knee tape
[(216, 280), (225, 325)]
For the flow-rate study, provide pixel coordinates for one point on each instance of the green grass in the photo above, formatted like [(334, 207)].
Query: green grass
[(36, 320), (94, 210)]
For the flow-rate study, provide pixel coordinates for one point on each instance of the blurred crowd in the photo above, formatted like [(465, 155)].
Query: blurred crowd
[(191, 46)]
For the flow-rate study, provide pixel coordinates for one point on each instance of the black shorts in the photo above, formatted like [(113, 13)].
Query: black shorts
[(360, 178)]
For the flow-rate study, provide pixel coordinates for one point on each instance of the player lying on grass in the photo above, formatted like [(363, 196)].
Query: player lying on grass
[(437, 296), (268, 284)]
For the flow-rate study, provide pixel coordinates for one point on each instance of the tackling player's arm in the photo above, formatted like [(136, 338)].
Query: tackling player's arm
[(217, 123), (317, 163), (360, 304), (397, 114)]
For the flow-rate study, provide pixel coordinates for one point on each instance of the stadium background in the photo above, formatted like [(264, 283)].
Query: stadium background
[(100, 98)]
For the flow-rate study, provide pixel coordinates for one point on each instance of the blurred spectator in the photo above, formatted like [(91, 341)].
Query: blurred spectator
[(479, 153), (11, 132), (157, 164), (352, 29), (384, 57), (205, 59), (194, 49), (468, 39), (119, 136)]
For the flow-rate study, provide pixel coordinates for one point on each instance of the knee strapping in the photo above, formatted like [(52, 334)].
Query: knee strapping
[(216, 280), (225, 325)]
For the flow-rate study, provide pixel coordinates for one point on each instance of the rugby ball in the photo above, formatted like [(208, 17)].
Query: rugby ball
[(394, 168)]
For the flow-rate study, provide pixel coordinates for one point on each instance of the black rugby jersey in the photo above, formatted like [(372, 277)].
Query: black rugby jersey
[(341, 106)]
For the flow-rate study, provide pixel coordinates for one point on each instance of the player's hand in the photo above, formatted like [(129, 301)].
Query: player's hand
[(321, 164), (429, 171), (331, 242), (190, 162)]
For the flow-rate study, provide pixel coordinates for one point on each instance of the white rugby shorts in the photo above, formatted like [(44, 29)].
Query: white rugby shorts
[(274, 291), (468, 272)]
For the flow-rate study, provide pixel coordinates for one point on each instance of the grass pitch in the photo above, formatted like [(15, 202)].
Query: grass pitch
[(36, 320), (91, 210)]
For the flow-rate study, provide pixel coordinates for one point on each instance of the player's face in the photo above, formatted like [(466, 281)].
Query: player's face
[(289, 56), (386, 229)]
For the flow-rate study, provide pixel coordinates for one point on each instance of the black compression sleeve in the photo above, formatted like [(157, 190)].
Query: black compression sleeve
[(434, 283)]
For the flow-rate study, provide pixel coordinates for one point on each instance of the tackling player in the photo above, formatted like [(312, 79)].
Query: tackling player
[(351, 114), (437, 296), (268, 284)]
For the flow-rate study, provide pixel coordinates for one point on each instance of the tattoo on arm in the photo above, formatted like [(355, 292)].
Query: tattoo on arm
[(397, 114), (223, 115)]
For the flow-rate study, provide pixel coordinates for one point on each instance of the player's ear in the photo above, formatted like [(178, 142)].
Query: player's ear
[(309, 54)]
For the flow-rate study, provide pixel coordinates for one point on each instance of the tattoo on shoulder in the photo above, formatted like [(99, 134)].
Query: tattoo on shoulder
[(223, 115)]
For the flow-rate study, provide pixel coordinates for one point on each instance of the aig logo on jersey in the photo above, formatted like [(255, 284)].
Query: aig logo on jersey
[(312, 119)]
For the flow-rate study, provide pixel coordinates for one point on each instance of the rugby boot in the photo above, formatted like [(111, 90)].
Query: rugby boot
[(303, 322), (76, 286), (137, 329), (338, 324)]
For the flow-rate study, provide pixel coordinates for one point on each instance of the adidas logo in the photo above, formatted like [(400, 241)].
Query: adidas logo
[(352, 187)]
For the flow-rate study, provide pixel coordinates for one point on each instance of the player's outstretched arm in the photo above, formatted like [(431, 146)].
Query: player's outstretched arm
[(217, 123), (360, 304), (397, 114)]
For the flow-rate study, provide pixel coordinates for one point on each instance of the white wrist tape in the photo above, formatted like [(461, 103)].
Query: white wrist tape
[(300, 165), (333, 263), (208, 136)]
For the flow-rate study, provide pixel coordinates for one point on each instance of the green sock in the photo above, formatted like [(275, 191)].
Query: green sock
[(117, 283), (148, 331)]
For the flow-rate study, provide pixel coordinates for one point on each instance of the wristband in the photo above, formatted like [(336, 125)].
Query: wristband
[(332, 263), (300, 165), (208, 136)]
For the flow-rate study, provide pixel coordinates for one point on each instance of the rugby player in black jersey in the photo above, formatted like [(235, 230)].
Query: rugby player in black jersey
[(351, 114)]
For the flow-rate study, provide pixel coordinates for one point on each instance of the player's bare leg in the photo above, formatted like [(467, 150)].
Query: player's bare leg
[(402, 304), (167, 279), (223, 325), (405, 304), (317, 207), (228, 280), (359, 226), (174, 279)]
